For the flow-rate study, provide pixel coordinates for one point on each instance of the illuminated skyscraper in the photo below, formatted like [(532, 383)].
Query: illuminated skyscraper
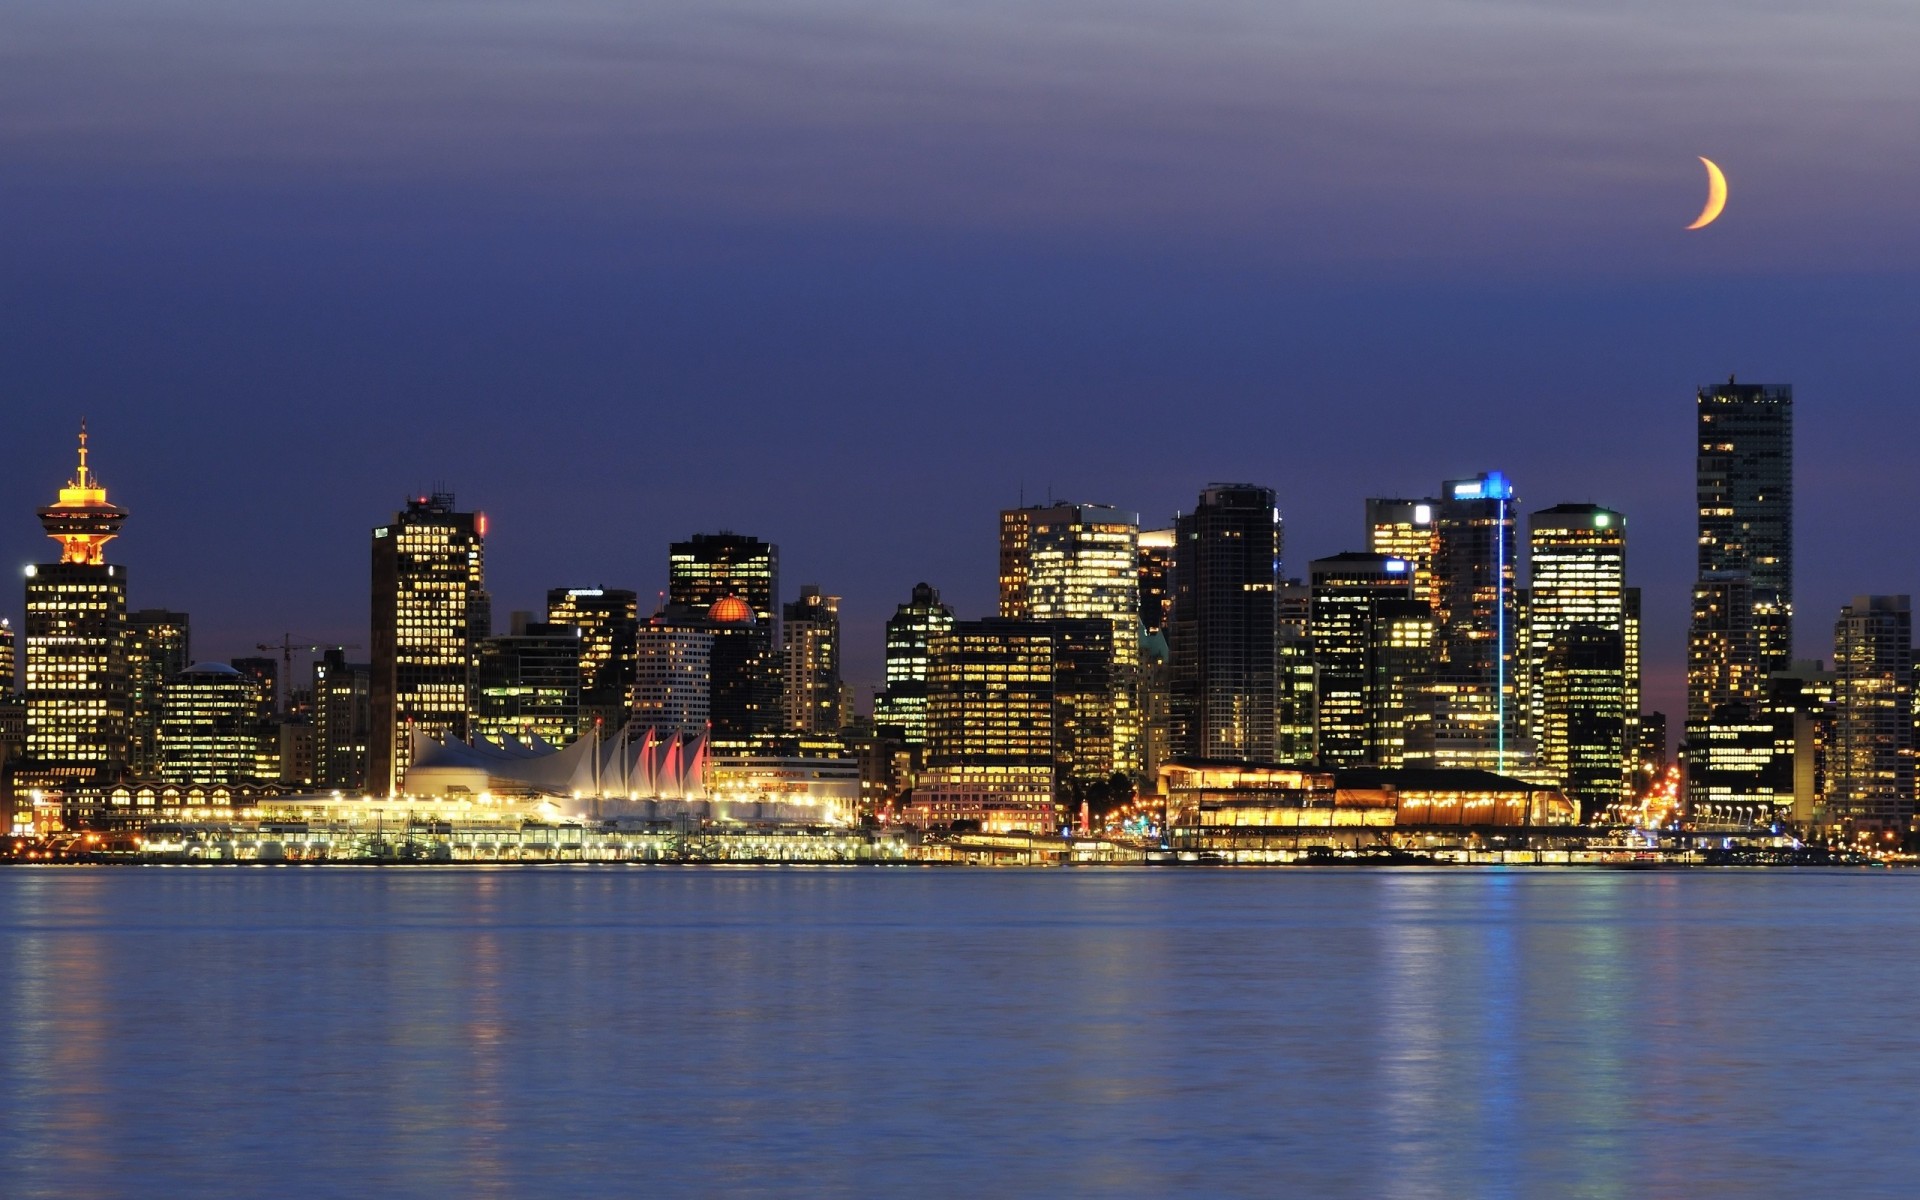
[(990, 710), (430, 611), (813, 698), (1476, 715), (1346, 591), (211, 729), (527, 684), (1872, 762), (76, 676), (673, 673), (735, 581), (902, 706), (159, 646), (1745, 486), (342, 721), (9, 663), (1582, 651), (607, 619), (1723, 663), (1406, 529), (1223, 632), (1156, 577), (1075, 561), (1295, 675)]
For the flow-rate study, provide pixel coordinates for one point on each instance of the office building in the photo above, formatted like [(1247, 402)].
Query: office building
[(211, 726), (159, 646), (1744, 480), (1296, 677), (1582, 650), (607, 619), (1407, 530), (813, 698), (1475, 710), (76, 666), (902, 706), (990, 713), (1346, 589), (1223, 631), (711, 567), (430, 613), (9, 659), (673, 674), (1074, 562), (1156, 577), (527, 684), (342, 721), (1872, 776)]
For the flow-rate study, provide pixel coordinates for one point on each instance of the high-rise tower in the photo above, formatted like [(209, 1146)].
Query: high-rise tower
[(76, 676), (1582, 650), (1476, 718), (1348, 590), (430, 611), (607, 619), (1745, 491), (812, 695), (902, 707), (1223, 630), (1872, 764)]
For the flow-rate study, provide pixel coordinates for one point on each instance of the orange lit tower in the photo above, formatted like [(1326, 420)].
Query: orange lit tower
[(76, 667)]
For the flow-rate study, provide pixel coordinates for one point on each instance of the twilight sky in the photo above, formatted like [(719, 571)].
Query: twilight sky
[(850, 275)]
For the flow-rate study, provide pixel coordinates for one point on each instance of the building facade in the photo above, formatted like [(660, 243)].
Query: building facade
[(1476, 715), (342, 721), (812, 696), (902, 706), (1873, 743), (211, 726), (430, 612), (607, 619), (1224, 627), (527, 683)]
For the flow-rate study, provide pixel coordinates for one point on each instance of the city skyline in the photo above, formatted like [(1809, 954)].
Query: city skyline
[(219, 639)]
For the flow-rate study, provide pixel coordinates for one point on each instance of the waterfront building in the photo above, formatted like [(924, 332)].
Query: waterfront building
[(734, 580), (1582, 651), (1744, 480), (76, 667), (1156, 577), (1873, 742), (1735, 778), (1346, 589), (1801, 702), (1075, 562), (813, 698), (1403, 635), (607, 619), (902, 706), (1476, 716), (430, 612), (211, 730), (159, 646), (1408, 530), (990, 714), (342, 721), (1723, 663), (1224, 626), (527, 683), (673, 673)]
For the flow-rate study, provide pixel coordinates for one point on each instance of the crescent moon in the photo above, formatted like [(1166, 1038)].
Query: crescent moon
[(1716, 195)]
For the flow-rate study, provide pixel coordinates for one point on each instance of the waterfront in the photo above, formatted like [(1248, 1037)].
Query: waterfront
[(628, 1031)]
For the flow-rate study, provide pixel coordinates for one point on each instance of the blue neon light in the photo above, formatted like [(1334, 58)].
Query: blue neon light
[(1396, 566)]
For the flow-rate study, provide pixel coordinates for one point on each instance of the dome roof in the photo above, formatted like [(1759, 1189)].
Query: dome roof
[(731, 610)]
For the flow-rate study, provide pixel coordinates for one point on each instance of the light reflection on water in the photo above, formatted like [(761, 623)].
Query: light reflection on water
[(617, 1032)]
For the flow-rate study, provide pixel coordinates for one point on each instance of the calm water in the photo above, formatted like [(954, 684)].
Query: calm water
[(627, 1032)]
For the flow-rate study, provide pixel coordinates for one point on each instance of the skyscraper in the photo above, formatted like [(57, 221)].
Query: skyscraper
[(1347, 589), (709, 567), (673, 674), (1406, 529), (1156, 577), (1223, 631), (1074, 561), (342, 720), (902, 706), (430, 611), (813, 698), (1745, 490), (1581, 651), (1476, 717), (990, 713), (9, 662), (734, 580), (76, 677), (159, 646), (1872, 776), (527, 683), (607, 619)]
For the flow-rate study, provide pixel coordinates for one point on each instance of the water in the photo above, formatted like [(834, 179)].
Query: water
[(625, 1032)]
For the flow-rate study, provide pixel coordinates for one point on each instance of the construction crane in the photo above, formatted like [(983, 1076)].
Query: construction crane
[(286, 646)]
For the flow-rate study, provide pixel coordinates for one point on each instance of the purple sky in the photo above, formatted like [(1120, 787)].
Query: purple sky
[(848, 276)]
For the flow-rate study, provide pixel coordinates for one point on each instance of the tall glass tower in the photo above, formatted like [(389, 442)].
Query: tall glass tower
[(1476, 712), (1223, 631), (1582, 650), (1744, 480)]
